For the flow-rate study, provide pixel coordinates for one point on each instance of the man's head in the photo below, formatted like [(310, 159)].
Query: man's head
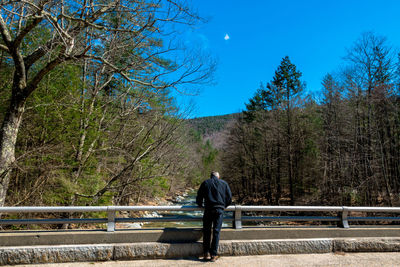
[(216, 174)]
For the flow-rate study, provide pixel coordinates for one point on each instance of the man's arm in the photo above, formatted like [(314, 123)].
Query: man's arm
[(228, 196), (200, 195)]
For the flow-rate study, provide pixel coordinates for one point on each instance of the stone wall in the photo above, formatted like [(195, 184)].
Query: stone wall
[(153, 250)]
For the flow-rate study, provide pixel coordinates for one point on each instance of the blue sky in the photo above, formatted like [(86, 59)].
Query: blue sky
[(314, 34)]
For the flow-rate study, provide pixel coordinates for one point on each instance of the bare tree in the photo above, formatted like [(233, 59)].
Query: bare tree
[(120, 39), (371, 61)]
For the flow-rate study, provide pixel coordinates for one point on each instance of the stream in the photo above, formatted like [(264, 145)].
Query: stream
[(185, 200)]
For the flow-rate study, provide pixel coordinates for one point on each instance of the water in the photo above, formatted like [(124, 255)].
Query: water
[(188, 200)]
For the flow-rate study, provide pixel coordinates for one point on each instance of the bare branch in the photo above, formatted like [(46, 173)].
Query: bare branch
[(5, 33), (32, 85), (4, 48), (27, 29)]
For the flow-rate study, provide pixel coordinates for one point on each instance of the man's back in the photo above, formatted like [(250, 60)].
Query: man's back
[(215, 193)]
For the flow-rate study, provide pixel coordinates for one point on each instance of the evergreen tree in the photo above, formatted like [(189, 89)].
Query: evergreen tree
[(273, 131), (288, 84)]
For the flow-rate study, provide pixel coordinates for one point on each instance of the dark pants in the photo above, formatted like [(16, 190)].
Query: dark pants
[(212, 218)]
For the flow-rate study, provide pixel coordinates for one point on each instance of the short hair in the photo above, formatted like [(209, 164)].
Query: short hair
[(216, 174)]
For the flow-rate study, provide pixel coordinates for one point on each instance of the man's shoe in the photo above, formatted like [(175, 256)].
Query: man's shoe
[(206, 257), (214, 258)]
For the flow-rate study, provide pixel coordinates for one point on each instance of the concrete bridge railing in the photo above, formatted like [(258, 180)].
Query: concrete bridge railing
[(238, 214)]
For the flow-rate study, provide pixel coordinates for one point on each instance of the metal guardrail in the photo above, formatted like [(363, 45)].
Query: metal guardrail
[(342, 212)]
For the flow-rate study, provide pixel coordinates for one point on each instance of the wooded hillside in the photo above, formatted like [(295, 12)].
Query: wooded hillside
[(88, 114), (86, 107), (212, 124), (341, 149)]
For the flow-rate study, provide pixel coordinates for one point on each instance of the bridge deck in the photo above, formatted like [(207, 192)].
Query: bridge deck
[(299, 260)]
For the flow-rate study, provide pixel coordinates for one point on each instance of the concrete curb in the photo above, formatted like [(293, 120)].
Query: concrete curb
[(153, 250), (184, 235)]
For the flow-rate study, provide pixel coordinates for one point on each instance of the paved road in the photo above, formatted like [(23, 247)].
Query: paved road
[(298, 260)]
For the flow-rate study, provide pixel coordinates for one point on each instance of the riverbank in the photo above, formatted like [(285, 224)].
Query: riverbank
[(184, 197)]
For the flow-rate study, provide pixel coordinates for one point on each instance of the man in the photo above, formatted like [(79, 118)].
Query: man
[(214, 195)]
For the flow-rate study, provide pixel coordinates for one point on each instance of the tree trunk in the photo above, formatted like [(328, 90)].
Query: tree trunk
[(289, 153), (278, 173), (8, 139)]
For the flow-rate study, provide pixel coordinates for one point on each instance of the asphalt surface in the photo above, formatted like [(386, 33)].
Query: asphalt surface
[(329, 259)]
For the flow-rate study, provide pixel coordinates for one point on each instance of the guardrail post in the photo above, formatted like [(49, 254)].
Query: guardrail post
[(344, 217), (237, 222), (110, 219)]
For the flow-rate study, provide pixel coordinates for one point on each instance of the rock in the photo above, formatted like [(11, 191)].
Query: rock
[(179, 198), (53, 254), (136, 225), (156, 250), (368, 245), (261, 247), (153, 215)]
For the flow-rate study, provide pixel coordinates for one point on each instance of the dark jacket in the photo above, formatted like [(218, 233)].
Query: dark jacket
[(215, 193)]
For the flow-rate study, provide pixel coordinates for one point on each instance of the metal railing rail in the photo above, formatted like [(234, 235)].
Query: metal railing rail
[(342, 212)]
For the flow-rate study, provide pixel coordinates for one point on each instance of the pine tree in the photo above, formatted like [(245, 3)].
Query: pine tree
[(281, 94), (288, 85)]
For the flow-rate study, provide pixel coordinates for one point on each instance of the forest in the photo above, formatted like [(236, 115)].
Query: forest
[(87, 107), (337, 147), (89, 115)]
